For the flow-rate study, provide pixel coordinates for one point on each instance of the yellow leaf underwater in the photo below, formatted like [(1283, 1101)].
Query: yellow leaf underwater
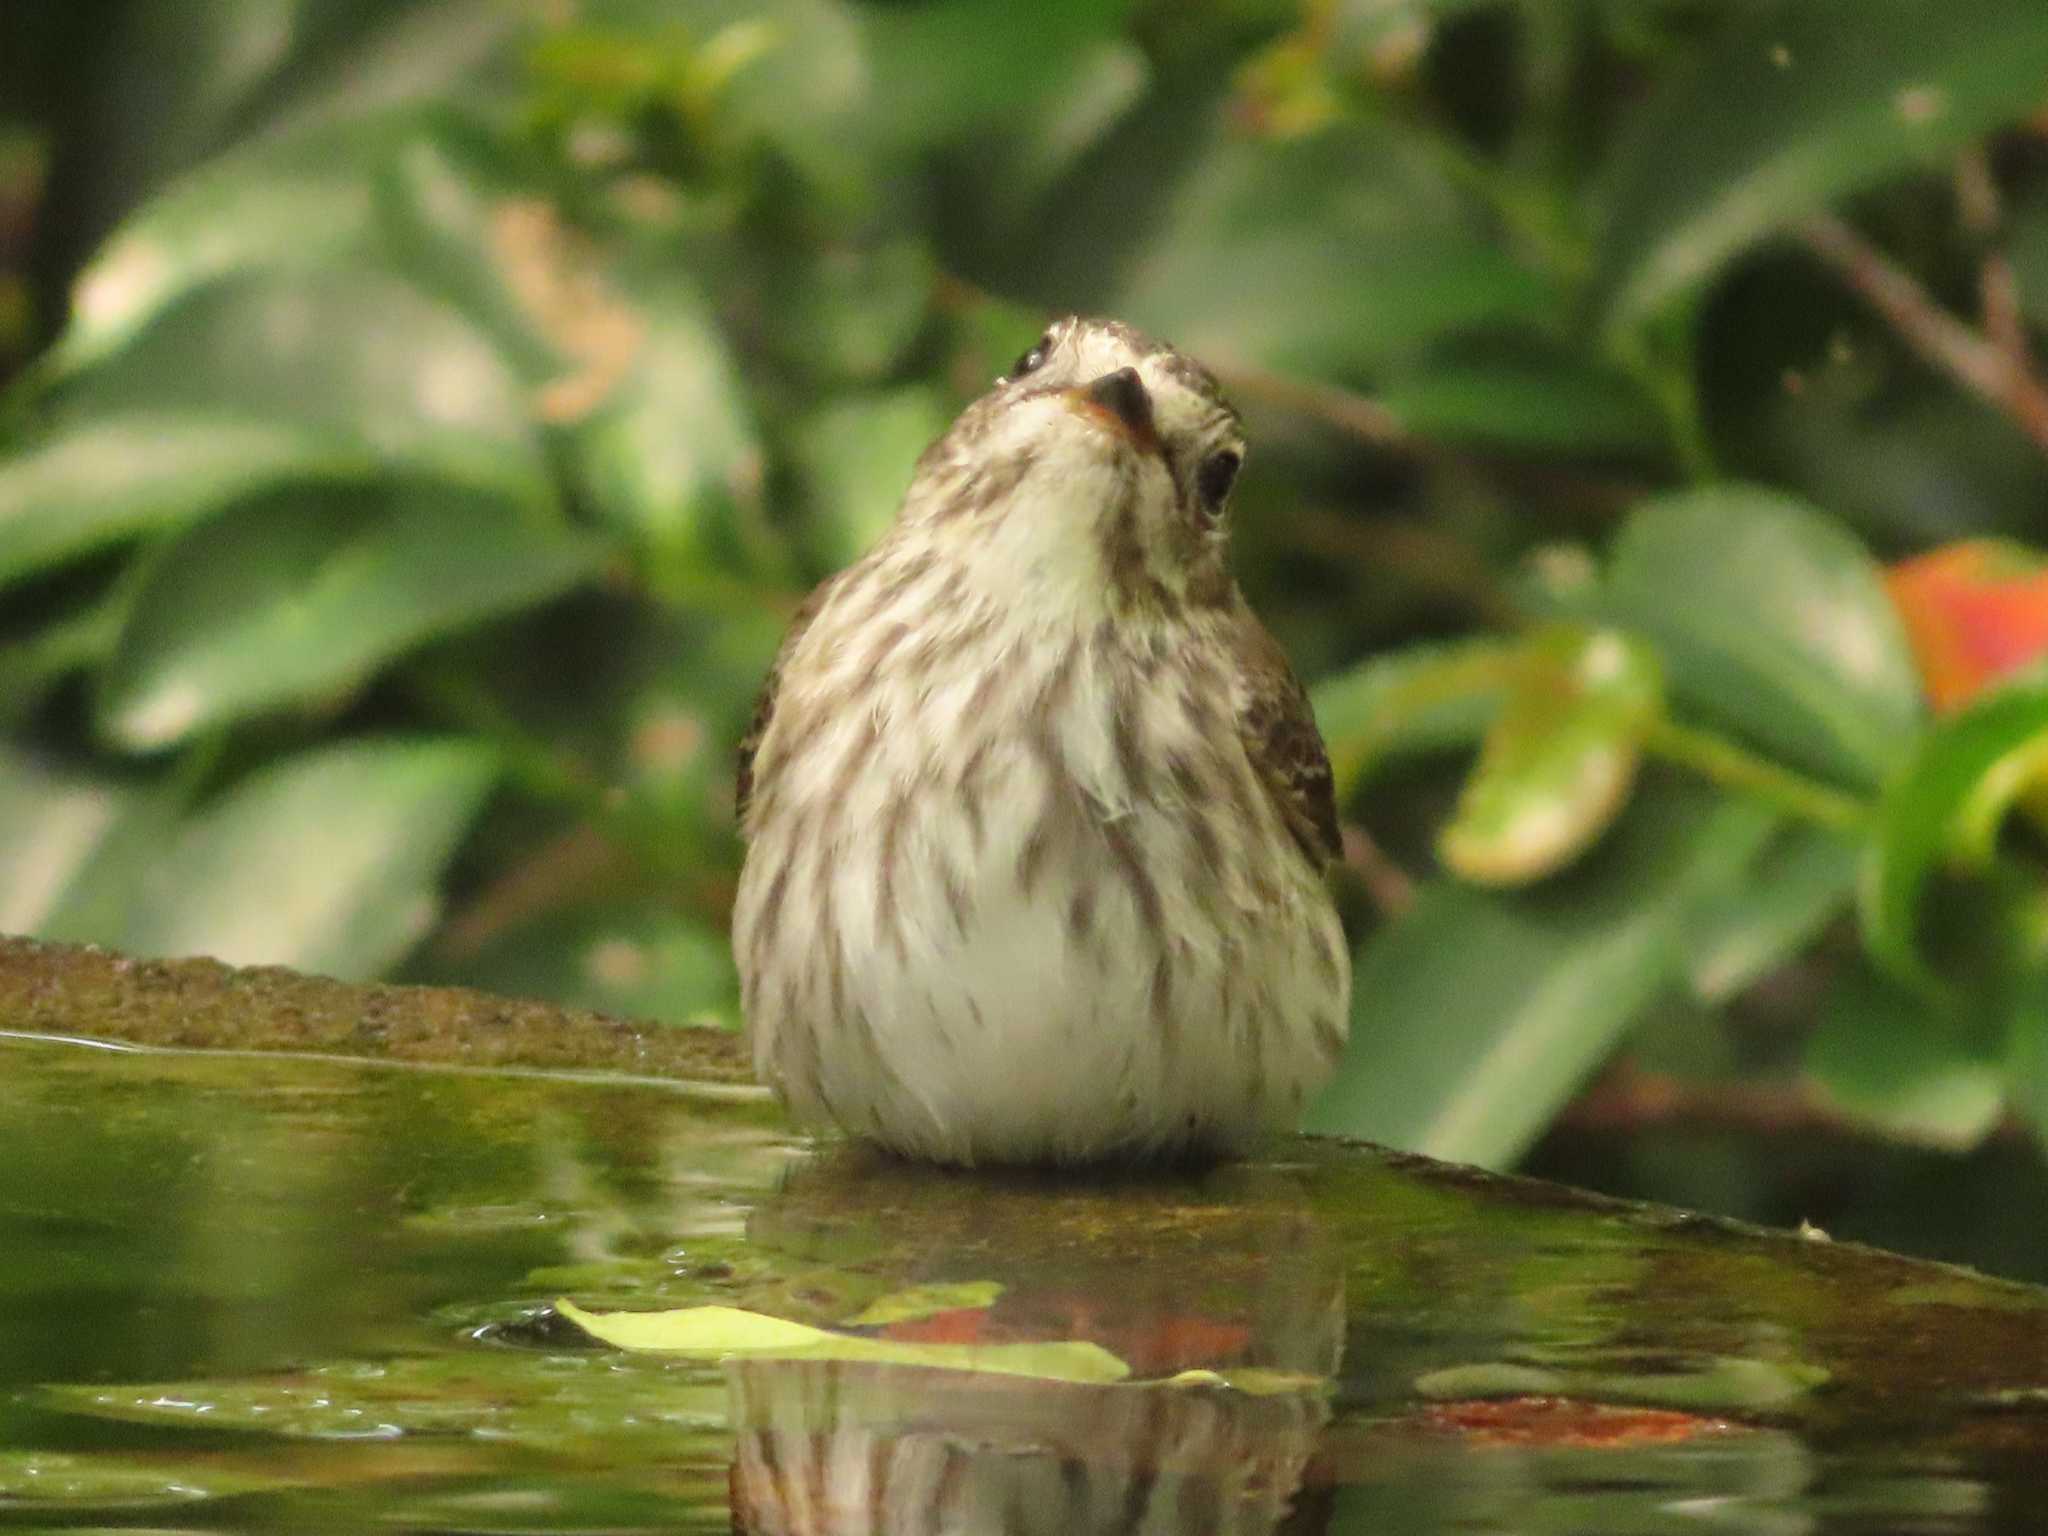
[(713, 1333)]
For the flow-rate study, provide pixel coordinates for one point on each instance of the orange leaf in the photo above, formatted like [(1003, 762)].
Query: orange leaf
[(1566, 1421), (1975, 612)]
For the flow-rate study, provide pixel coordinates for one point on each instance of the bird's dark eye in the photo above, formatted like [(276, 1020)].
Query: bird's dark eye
[(1033, 360), (1214, 479)]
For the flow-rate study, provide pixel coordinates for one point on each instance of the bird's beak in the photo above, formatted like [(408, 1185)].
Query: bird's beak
[(1118, 401)]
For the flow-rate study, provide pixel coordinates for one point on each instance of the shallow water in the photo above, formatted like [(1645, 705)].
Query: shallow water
[(266, 1293)]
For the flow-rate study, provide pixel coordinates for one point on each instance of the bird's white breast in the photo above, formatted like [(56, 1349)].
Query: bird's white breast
[(1019, 896)]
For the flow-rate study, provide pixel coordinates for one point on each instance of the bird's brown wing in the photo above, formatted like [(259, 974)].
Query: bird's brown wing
[(1280, 736), (764, 706)]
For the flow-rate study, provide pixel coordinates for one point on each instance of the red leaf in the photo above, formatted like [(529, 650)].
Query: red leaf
[(1975, 612), (1566, 1421), (956, 1325)]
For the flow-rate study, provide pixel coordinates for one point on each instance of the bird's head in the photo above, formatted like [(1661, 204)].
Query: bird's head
[(1102, 462)]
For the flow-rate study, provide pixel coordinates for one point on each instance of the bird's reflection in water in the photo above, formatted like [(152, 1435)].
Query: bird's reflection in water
[(1220, 1293)]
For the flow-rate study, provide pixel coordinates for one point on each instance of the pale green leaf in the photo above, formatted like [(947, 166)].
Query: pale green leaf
[(295, 599), (1557, 764), (362, 357), (1772, 621), (925, 1300), (111, 478), (329, 861), (1947, 805), (1477, 1014), (1889, 1057), (718, 1332), (1423, 699), (1795, 104)]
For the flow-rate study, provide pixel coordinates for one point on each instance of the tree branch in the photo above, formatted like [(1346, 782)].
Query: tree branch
[(1351, 413), (1998, 288), (1390, 887), (1939, 338)]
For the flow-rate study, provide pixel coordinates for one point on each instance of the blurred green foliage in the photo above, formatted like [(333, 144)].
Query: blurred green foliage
[(427, 413)]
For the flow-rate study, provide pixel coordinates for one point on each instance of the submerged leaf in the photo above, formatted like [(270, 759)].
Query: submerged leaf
[(717, 1332), (924, 1300)]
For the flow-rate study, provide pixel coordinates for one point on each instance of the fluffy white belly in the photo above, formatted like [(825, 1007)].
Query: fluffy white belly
[(1075, 929)]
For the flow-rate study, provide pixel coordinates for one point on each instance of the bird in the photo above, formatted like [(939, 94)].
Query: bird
[(1037, 817)]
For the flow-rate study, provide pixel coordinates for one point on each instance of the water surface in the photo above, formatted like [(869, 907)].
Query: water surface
[(267, 1293)]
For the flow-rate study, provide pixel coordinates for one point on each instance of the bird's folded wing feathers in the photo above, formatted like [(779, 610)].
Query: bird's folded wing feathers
[(764, 706), (1279, 733)]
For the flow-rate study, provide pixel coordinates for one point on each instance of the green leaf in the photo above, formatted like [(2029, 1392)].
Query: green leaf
[(362, 357), (923, 1301), (176, 82), (1887, 1056), (850, 314), (998, 59), (718, 1332), (790, 77), (1342, 251), (327, 862), (1045, 141), (632, 961), (2027, 1068), (1798, 884), (1545, 405), (1423, 699), (1948, 804), (30, 668), (75, 848), (414, 190), (1524, 995), (671, 454), (1795, 104), (856, 455), (458, 217), (292, 599), (1911, 470), (110, 478), (1557, 764), (292, 204), (413, 55), (1772, 621), (51, 824)]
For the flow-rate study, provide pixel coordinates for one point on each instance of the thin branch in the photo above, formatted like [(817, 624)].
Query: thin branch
[(560, 872), (1629, 1100), (1425, 557), (1998, 288), (1936, 335), (1351, 413), (1390, 887)]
